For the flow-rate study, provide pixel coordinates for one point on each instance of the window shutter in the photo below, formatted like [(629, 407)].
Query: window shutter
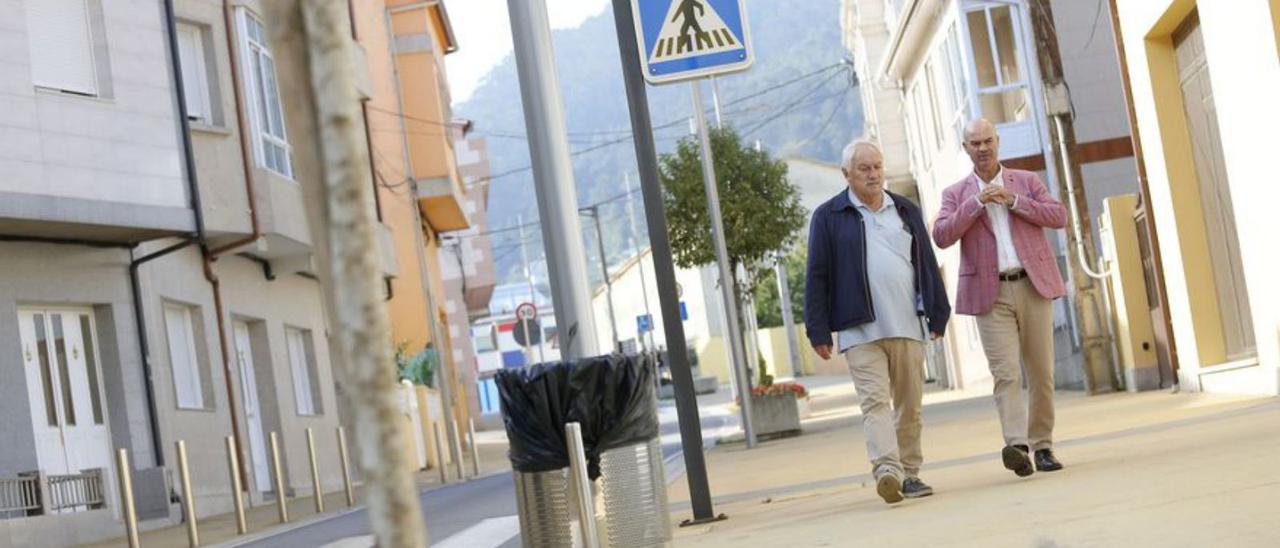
[(182, 357), (301, 373), (60, 45), (194, 80)]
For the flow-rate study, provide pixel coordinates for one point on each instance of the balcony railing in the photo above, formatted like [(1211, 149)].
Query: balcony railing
[(35, 493), (19, 497)]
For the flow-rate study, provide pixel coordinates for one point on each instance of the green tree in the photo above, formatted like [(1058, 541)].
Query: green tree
[(760, 208), (419, 368), (768, 304)]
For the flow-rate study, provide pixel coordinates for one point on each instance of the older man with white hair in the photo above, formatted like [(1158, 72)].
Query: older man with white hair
[(873, 279)]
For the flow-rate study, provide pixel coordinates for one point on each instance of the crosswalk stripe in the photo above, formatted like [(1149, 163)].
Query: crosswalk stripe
[(677, 45), (489, 533)]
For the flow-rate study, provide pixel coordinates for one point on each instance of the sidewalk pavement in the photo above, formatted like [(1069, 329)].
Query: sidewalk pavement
[(263, 517), (1150, 469)]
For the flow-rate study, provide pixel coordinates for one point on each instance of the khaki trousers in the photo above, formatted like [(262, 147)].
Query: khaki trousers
[(1019, 330), (880, 368)]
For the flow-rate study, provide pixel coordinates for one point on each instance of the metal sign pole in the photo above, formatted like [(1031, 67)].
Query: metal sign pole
[(788, 321), (727, 291), (553, 177), (663, 267)]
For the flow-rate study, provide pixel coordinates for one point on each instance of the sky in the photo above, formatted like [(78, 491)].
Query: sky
[(483, 31)]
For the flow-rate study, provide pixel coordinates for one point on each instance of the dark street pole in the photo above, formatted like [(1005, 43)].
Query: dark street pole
[(664, 269)]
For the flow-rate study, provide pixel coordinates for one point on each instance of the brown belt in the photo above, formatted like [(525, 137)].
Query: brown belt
[(1013, 276)]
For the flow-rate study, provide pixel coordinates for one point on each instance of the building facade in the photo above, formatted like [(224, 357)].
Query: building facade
[(165, 249), (927, 67), (1201, 81), (466, 262)]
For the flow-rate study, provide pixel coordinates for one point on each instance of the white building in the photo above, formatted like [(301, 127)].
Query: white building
[(929, 66)]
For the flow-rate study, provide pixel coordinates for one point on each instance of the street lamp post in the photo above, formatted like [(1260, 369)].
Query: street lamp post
[(594, 213)]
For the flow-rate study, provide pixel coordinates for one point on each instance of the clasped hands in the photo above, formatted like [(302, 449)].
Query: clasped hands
[(994, 194)]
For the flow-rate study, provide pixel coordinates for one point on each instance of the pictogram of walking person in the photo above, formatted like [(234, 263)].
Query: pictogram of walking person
[(685, 9)]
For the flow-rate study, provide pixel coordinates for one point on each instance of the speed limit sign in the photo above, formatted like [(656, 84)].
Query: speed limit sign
[(526, 311)]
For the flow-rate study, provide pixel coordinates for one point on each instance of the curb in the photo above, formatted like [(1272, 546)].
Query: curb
[(321, 518)]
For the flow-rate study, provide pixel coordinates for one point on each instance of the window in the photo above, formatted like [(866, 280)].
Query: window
[(183, 359), (1003, 91), (306, 393), (61, 45), (936, 100), (195, 73), (91, 367), (920, 106), (959, 84), (46, 371), (265, 111), (483, 339)]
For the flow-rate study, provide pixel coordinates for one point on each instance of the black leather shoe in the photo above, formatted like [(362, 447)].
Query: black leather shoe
[(1046, 462), (1016, 458)]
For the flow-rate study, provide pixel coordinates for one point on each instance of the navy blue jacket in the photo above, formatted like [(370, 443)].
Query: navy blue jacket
[(836, 294)]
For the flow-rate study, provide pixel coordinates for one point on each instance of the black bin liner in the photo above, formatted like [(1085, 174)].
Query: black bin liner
[(611, 396)]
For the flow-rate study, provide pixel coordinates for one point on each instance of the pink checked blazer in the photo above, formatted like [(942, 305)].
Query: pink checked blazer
[(964, 220)]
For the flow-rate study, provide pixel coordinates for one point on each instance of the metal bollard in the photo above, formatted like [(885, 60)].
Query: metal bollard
[(581, 485), (475, 451), (281, 508), (315, 473), (237, 490), (457, 455), (346, 470), (125, 474), (444, 470), (188, 498)]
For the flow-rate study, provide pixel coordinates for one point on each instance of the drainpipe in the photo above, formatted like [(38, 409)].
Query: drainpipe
[(135, 286), (1145, 189), (242, 126), (144, 347)]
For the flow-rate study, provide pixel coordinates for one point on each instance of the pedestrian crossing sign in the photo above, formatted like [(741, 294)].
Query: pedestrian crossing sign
[(685, 39)]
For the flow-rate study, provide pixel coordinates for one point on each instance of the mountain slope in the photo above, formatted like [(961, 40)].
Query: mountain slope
[(797, 100)]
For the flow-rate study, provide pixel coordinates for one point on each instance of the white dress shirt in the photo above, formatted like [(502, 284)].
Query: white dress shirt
[(998, 213)]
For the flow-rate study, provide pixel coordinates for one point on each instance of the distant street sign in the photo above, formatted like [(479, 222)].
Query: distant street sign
[(644, 323), (684, 312), (526, 311), (527, 332), (684, 39)]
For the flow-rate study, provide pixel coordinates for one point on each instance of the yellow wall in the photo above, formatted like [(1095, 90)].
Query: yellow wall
[(1275, 23), (1131, 315), (1244, 70), (423, 81)]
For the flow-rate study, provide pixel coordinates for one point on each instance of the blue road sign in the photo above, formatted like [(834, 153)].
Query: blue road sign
[(644, 323), (684, 39), (684, 312)]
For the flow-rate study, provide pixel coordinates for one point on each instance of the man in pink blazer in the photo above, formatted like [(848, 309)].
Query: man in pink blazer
[(1008, 280)]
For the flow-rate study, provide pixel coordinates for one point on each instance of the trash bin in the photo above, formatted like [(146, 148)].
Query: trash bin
[(613, 399)]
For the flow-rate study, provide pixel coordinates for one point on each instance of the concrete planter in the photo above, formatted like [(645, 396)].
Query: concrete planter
[(775, 416)]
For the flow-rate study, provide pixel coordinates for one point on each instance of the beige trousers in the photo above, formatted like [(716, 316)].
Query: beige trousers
[(1019, 330), (885, 369)]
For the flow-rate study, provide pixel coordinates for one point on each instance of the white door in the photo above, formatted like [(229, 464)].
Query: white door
[(252, 410), (64, 386), (1215, 194)]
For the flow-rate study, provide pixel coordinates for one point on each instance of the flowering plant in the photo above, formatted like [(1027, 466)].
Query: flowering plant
[(781, 389)]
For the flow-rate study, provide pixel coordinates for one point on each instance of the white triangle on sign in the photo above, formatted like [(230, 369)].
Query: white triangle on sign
[(680, 38)]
